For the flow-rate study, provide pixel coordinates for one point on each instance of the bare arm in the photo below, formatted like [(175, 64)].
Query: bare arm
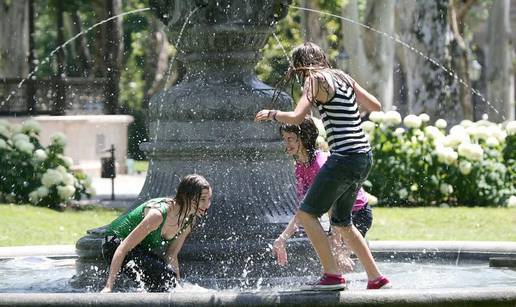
[(366, 99), (150, 223), (173, 251)]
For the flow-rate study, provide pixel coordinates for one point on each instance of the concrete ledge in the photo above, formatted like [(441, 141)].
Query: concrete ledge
[(38, 250), (470, 297)]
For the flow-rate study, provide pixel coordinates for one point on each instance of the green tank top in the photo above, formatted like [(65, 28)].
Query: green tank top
[(123, 225)]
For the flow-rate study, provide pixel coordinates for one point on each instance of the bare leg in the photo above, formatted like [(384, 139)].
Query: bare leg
[(358, 245), (319, 241)]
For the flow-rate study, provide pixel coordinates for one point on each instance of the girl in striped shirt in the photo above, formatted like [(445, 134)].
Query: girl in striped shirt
[(335, 187)]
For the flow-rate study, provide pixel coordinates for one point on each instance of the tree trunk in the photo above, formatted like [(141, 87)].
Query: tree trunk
[(60, 95), (459, 50), (81, 45), (430, 89), (99, 66), (371, 54), (380, 49), (14, 38), (500, 78), (113, 56), (311, 27)]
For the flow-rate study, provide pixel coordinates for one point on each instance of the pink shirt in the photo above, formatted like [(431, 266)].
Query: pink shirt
[(305, 175)]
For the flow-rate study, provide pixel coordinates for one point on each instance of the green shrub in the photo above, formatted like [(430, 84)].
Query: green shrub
[(419, 164), (29, 172)]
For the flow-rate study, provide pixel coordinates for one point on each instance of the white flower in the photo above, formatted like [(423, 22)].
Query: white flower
[(42, 191), (20, 137), (65, 192), (377, 116), (5, 131), (68, 179), (392, 118), (511, 128), (433, 133), (40, 155), (31, 126), (3, 144), (23, 146), (466, 123), (441, 123), (399, 131), (368, 126), (471, 151), (320, 126), (424, 117), (465, 167), (492, 142), (403, 193), (412, 121), (511, 202), (58, 138), (446, 188), (34, 197), (51, 177), (446, 155), (414, 187), (67, 160), (62, 170)]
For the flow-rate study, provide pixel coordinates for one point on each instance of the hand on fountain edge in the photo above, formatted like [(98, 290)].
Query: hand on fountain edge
[(280, 251)]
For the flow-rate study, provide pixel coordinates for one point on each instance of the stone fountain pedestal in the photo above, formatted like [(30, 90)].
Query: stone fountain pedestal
[(205, 125)]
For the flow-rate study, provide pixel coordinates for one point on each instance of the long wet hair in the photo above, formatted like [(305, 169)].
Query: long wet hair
[(307, 132), (188, 195), (308, 59)]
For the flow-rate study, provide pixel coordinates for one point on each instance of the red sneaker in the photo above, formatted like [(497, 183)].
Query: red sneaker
[(380, 283), (328, 282)]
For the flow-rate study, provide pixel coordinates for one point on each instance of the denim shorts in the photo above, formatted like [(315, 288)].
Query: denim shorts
[(336, 185)]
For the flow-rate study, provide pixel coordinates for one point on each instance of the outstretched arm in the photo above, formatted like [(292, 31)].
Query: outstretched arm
[(150, 223), (278, 248), (366, 99)]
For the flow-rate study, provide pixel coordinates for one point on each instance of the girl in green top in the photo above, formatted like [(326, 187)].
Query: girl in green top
[(157, 223)]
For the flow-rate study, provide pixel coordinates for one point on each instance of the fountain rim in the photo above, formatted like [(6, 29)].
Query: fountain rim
[(492, 296)]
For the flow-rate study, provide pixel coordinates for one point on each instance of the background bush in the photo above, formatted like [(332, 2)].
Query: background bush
[(30, 172), (420, 164)]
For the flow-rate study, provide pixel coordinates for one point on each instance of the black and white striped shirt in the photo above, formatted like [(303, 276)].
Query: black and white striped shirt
[(341, 119)]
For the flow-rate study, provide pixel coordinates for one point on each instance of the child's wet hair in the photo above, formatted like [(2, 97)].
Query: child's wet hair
[(189, 193), (307, 132)]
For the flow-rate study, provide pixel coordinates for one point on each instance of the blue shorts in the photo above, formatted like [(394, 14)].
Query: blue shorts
[(336, 186)]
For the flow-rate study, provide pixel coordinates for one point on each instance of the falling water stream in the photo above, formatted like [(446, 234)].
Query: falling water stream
[(418, 52), (47, 59)]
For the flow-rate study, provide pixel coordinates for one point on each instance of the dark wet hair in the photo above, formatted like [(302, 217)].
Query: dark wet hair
[(189, 193), (307, 132), (310, 58)]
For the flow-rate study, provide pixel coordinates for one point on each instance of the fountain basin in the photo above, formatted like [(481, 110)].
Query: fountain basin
[(423, 273)]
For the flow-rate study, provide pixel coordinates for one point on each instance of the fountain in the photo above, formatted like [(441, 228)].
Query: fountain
[(205, 125)]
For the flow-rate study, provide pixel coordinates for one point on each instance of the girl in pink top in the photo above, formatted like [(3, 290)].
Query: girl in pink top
[(301, 143)]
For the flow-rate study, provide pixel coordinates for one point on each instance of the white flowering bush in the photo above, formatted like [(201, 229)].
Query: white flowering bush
[(30, 172), (474, 164)]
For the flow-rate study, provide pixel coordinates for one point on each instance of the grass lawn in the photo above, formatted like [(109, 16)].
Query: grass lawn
[(454, 224), (29, 225)]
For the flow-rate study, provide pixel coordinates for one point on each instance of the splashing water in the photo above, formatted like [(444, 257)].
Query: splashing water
[(47, 59), (418, 52)]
